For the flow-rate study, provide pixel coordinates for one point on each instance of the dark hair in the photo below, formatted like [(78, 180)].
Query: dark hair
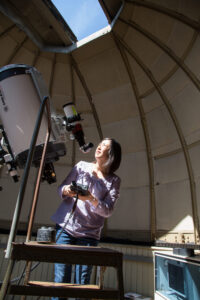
[(114, 156)]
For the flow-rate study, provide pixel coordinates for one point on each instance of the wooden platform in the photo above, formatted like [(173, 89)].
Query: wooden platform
[(96, 256)]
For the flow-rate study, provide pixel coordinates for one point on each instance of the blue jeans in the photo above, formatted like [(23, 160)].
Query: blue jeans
[(62, 272)]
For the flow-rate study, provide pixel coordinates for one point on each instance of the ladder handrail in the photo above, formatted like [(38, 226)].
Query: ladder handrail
[(20, 198)]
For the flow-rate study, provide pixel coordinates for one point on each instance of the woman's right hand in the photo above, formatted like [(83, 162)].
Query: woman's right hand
[(66, 191)]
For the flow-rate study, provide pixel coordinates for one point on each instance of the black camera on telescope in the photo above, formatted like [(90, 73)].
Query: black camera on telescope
[(79, 189)]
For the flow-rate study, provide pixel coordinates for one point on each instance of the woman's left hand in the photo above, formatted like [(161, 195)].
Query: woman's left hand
[(89, 197)]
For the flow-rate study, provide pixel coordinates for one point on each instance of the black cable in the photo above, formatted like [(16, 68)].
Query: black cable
[(19, 278), (71, 214), (22, 275)]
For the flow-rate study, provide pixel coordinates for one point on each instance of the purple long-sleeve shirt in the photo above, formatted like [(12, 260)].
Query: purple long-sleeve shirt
[(87, 220)]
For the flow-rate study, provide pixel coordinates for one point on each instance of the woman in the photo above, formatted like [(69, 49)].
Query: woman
[(84, 226)]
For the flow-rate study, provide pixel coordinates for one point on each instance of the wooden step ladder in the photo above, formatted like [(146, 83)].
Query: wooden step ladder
[(33, 251), (53, 253)]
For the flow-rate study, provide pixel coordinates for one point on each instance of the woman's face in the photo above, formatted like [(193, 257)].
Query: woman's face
[(102, 150)]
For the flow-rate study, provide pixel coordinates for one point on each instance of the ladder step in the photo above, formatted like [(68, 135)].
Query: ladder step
[(96, 256), (63, 285), (51, 289)]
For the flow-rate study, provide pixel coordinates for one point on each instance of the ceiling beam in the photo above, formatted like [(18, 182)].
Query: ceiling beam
[(166, 49), (169, 107), (6, 31), (146, 137), (106, 11), (179, 150), (169, 12), (89, 96), (17, 48), (35, 59), (175, 68), (8, 10), (52, 75), (74, 101)]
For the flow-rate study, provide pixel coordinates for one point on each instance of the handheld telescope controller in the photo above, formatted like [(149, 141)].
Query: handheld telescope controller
[(79, 189)]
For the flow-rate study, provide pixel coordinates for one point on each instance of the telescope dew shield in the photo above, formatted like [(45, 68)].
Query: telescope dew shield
[(71, 114), (21, 91)]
